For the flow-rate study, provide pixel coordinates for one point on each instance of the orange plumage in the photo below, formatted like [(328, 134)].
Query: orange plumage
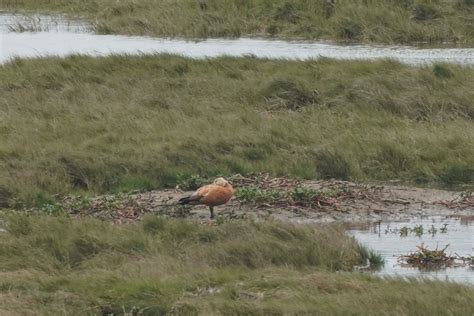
[(217, 193)]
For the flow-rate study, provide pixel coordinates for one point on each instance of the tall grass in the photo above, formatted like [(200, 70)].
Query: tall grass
[(121, 123), (54, 265), (381, 21)]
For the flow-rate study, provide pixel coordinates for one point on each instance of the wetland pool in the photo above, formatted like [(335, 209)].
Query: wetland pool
[(392, 239), (39, 36)]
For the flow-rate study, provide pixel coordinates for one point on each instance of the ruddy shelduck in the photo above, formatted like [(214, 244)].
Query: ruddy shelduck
[(217, 193)]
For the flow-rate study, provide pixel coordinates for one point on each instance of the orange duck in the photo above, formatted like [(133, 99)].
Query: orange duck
[(217, 193)]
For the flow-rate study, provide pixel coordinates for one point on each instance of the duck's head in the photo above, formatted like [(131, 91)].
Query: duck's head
[(221, 182)]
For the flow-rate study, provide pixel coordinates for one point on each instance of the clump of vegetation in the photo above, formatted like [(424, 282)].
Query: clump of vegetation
[(458, 174), (374, 261), (442, 71), (424, 12), (304, 195), (287, 12), (350, 30), (193, 182), (254, 194), (288, 94), (5, 197), (301, 196), (432, 259)]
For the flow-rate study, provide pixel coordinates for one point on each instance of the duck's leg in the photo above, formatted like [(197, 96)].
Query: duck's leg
[(212, 211)]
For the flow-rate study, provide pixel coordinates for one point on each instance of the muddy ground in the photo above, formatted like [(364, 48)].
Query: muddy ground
[(339, 201)]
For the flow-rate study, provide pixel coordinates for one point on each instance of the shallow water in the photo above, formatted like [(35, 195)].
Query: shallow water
[(385, 239), (11, 22), (56, 36)]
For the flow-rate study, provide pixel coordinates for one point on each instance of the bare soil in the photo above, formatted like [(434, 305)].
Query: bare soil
[(354, 203)]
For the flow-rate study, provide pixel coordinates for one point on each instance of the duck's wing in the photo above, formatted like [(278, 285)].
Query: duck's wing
[(197, 196), (217, 195)]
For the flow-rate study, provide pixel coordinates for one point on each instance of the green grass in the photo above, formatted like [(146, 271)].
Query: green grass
[(379, 21), (93, 125), (57, 265)]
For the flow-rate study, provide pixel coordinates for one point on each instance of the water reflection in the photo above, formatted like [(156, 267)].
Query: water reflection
[(11, 22), (69, 38), (388, 239)]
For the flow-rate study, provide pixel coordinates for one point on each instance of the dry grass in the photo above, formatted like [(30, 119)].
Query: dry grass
[(121, 123), (54, 265), (380, 21)]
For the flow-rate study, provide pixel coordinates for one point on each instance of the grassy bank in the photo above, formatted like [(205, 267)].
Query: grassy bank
[(53, 265), (388, 21), (122, 123)]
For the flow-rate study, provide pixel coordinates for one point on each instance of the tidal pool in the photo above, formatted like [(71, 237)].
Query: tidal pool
[(389, 240)]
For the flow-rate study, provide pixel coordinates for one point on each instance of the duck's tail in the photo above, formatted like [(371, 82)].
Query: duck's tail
[(185, 200)]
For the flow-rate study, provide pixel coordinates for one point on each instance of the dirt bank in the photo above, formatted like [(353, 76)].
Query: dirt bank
[(336, 201)]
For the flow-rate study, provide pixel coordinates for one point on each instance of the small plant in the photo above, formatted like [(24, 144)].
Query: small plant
[(53, 209), (404, 231), (80, 203), (376, 260), (302, 195), (417, 230), (371, 260), (444, 229), (254, 194), (193, 182), (432, 231)]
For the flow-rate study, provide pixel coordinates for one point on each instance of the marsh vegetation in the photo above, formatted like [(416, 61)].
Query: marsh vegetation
[(115, 124), (387, 21), (76, 127), (166, 266)]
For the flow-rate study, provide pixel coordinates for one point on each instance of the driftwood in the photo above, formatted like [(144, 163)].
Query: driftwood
[(433, 259), (463, 201)]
